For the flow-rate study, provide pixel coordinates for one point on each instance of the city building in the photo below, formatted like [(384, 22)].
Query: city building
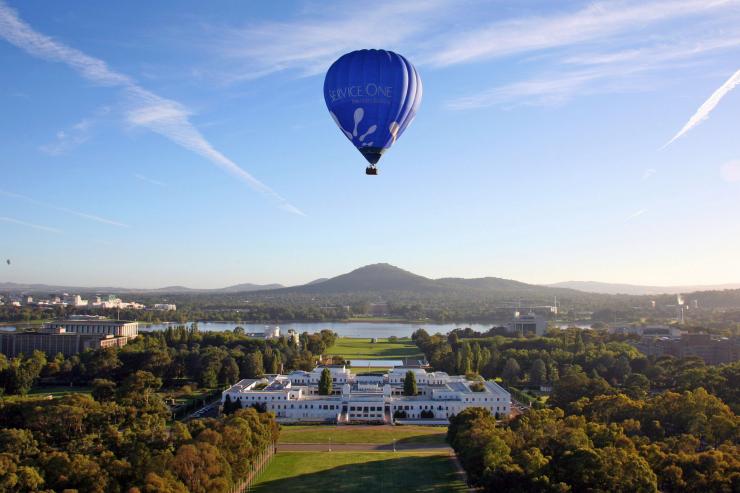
[(97, 326), (365, 398), (648, 331), (165, 306), (53, 341), (713, 350), (112, 301), (270, 332), (530, 323), (73, 300)]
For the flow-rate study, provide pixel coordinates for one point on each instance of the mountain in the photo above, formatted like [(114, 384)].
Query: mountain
[(371, 278), (386, 280), (247, 287), (48, 288), (635, 289), (491, 284), (316, 281)]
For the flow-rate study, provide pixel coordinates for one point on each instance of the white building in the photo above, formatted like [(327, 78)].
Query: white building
[(73, 300), (165, 306), (530, 323), (112, 301), (270, 332), (368, 397), (116, 328)]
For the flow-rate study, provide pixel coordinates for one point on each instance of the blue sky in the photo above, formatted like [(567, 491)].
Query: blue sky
[(148, 144)]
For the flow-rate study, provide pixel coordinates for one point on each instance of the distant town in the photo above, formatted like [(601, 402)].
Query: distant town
[(110, 301)]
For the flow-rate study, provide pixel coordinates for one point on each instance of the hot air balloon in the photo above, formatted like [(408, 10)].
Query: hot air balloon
[(372, 95)]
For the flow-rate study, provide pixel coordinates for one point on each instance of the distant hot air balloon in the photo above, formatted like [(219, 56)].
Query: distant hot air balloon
[(372, 95)]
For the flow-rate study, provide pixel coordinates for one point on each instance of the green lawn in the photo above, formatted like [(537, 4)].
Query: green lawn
[(360, 472), (430, 435), (350, 347), (59, 391)]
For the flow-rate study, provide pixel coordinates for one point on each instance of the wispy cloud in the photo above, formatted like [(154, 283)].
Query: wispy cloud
[(164, 116), (548, 90), (309, 46), (48, 229), (648, 173), (66, 140), (84, 215), (606, 47), (730, 171), (152, 181), (705, 109), (596, 21), (636, 214)]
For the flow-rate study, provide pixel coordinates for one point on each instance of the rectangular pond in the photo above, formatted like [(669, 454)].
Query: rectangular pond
[(376, 363)]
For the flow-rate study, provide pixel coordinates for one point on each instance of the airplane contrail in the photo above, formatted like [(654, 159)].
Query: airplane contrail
[(160, 115), (86, 215), (705, 109), (40, 227)]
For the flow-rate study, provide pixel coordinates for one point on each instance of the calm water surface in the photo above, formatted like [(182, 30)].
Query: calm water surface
[(344, 329)]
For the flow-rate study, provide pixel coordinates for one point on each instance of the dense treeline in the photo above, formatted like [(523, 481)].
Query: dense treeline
[(536, 360), (603, 361), (615, 420), (77, 443), (664, 443), (118, 439), (176, 355)]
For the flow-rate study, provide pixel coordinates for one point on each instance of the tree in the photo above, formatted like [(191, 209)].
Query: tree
[(325, 382), (229, 373), (21, 373), (622, 368), (139, 389), (253, 365), (230, 406), (538, 373), (637, 386), (409, 384), (103, 390), (511, 371)]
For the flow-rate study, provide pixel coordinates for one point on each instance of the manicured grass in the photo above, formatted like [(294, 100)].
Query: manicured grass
[(429, 435), (350, 347), (360, 472), (59, 391)]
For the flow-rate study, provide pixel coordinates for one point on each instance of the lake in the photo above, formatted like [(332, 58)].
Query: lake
[(343, 329)]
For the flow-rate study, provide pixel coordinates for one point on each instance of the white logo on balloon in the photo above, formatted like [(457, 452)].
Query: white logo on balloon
[(358, 116)]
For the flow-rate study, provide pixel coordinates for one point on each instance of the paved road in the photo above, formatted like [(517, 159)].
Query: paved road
[(361, 447)]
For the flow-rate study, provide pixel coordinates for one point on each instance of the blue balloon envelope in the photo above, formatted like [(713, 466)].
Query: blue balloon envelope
[(372, 95)]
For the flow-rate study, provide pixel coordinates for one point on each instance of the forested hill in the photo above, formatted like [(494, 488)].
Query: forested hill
[(385, 279)]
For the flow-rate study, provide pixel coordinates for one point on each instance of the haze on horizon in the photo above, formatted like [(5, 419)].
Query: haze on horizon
[(147, 146)]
